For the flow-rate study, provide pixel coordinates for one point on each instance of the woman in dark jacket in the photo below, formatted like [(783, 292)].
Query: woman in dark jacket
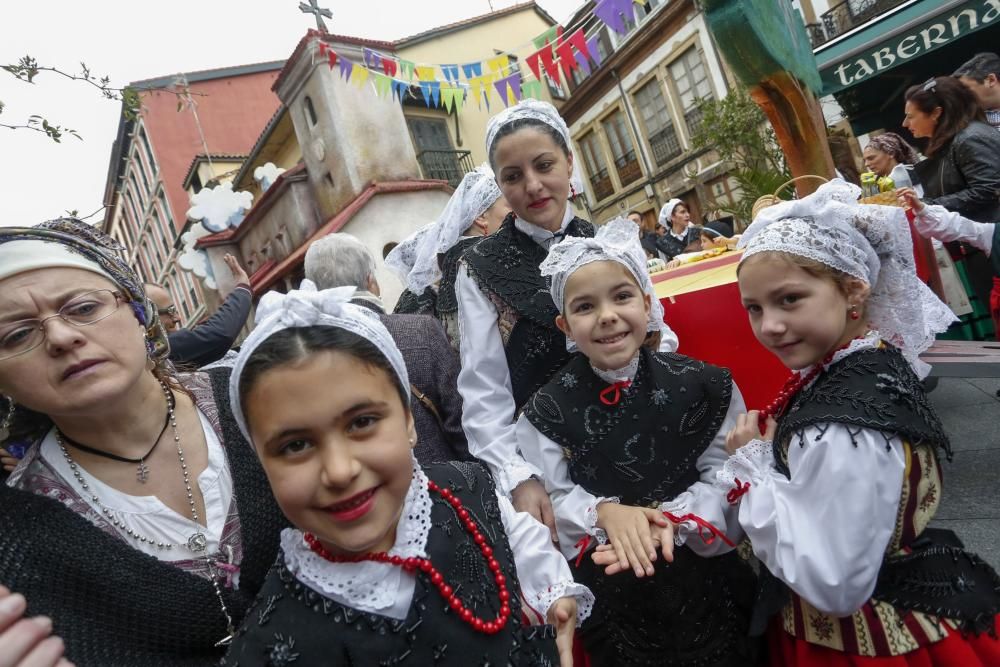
[(962, 169)]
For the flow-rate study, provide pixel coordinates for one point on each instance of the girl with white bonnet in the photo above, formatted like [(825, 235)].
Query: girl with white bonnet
[(137, 520), (629, 440), (476, 209), (838, 478), (390, 561), (510, 345)]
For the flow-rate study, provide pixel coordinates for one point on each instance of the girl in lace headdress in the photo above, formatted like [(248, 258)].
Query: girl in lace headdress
[(475, 210), (838, 478), (390, 562), (509, 343), (628, 440)]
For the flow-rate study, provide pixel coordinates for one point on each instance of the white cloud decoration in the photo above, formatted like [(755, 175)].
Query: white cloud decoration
[(267, 174), (194, 259), (219, 208)]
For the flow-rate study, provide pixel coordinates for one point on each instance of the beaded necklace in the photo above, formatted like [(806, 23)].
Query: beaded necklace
[(490, 627)]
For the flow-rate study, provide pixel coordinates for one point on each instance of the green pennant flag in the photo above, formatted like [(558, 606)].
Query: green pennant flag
[(547, 37), (406, 68), (382, 84), (531, 89)]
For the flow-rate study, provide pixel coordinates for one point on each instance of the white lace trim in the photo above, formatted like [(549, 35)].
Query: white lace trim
[(368, 586), (619, 374), (513, 473), (679, 506), (751, 463), (590, 520), (403, 257), (870, 340), (561, 589)]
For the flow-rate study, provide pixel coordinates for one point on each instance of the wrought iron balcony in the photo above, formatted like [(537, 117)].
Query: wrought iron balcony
[(444, 165), (601, 182), (665, 145), (846, 16), (628, 168)]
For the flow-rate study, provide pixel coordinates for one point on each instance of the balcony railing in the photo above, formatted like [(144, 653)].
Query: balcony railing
[(601, 182), (665, 145), (628, 168), (845, 17), (693, 119), (448, 166)]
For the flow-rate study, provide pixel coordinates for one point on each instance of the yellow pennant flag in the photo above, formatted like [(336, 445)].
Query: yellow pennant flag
[(359, 75), (425, 73), (497, 64)]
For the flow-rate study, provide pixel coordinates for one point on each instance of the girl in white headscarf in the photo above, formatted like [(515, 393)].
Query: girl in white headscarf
[(838, 478), (510, 345), (389, 561), (629, 440)]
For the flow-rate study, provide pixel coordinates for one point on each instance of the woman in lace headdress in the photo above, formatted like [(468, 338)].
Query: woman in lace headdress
[(838, 478), (629, 440), (510, 345), (400, 261), (390, 561), (475, 210)]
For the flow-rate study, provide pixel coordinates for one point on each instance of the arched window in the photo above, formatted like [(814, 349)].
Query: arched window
[(310, 111)]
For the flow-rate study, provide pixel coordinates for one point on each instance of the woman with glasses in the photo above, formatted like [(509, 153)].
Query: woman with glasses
[(962, 169), (138, 519)]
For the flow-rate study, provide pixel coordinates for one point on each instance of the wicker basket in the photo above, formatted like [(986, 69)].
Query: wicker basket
[(771, 200), (887, 198)]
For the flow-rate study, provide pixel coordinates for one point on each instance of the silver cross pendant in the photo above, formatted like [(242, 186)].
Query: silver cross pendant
[(142, 472)]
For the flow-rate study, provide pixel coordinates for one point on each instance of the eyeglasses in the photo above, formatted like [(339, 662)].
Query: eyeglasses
[(22, 336), (930, 85), (169, 310)]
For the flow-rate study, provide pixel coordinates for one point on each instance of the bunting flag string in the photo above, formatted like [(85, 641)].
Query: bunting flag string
[(383, 84), (389, 67), (425, 73), (431, 91), (359, 76), (406, 67), (472, 70), (615, 13), (345, 68), (532, 89), (450, 73)]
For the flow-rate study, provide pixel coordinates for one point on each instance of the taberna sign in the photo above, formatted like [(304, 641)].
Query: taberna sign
[(904, 42)]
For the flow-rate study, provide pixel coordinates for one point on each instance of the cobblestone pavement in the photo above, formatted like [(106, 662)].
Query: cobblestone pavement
[(970, 411)]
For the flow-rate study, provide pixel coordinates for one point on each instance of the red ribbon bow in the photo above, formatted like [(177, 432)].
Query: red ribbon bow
[(738, 491), (582, 545), (703, 528), (614, 392)]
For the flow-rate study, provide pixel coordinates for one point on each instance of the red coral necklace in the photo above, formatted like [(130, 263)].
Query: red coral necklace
[(424, 565)]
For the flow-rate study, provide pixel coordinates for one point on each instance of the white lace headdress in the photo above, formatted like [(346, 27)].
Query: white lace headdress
[(473, 197), (526, 108), (871, 243), (308, 307), (401, 259), (667, 212), (617, 241)]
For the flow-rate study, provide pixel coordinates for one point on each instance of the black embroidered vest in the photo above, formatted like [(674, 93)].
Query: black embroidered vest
[(505, 266), (693, 611), (114, 605), (926, 570), (292, 624), (417, 304)]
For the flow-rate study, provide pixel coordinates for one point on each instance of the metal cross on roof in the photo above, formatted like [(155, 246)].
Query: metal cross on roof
[(319, 12)]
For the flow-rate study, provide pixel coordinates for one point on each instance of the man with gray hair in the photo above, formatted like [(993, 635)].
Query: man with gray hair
[(981, 75), (340, 259)]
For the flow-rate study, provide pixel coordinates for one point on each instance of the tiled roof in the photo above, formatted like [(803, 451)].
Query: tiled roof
[(464, 23)]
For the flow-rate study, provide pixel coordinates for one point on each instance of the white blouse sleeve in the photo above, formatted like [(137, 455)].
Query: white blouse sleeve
[(543, 573), (668, 339), (708, 500), (823, 532), (939, 223), (484, 383), (575, 509)]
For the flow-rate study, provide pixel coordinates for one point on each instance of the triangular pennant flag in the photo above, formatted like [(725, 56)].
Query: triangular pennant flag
[(399, 89), (372, 59), (345, 68), (498, 64), (472, 70), (407, 69), (550, 64), (579, 42), (568, 64), (389, 66), (514, 80), (331, 57), (509, 87), (459, 97), (447, 96), (532, 61), (581, 61), (322, 48), (532, 89), (425, 73), (547, 37), (359, 76), (450, 72), (431, 91), (594, 50), (612, 11), (382, 84)]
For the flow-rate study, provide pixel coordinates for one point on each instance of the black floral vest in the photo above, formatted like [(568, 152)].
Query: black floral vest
[(293, 625), (505, 266)]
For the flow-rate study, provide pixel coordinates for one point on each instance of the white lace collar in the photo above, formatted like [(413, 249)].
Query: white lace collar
[(368, 586), (619, 374), (541, 236), (870, 340)]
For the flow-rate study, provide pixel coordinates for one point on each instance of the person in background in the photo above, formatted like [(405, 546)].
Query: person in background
[(339, 260), (400, 260), (889, 155), (679, 234), (210, 340), (646, 239), (981, 75)]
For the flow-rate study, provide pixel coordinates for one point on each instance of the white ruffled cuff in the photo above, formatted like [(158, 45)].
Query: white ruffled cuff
[(566, 588), (514, 472), (750, 463), (590, 522), (680, 506)]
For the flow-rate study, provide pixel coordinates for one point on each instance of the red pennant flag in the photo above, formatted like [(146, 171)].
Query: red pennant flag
[(322, 48), (331, 54), (389, 66), (550, 65), (532, 61), (579, 42)]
